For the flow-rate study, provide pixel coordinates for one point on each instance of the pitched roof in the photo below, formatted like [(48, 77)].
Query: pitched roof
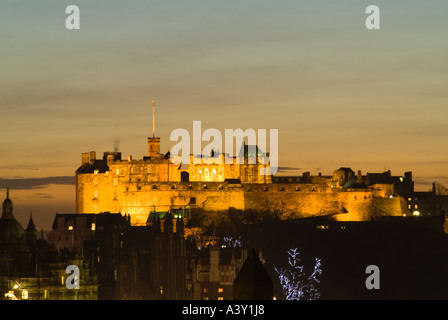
[(253, 281), (100, 165)]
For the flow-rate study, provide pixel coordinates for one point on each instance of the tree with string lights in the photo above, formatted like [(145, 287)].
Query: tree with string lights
[(295, 284)]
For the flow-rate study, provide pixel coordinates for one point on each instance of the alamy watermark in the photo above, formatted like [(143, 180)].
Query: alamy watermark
[(373, 280), (212, 152), (72, 281), (73, 21)]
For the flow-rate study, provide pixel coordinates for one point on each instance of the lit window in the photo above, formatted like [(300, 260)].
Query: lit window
[(70, 227), (205, 298), (409, 206), (220, 298), (93, 226), (117, 171), (416, 206), (220, 289), (205, 290), (409, 199)]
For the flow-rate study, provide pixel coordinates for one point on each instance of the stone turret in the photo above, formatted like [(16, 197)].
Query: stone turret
[(153, 147)]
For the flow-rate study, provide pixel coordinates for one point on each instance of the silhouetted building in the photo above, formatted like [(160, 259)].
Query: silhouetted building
[(429, 203), (215, 270), (98, 238), (153, 260), (31, 269), (15, 258)]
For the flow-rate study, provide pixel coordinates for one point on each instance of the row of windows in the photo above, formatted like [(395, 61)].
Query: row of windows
[(92, 227), (220, 290)]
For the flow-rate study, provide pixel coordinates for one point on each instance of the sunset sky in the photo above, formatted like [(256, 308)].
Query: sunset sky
[(339, 94)]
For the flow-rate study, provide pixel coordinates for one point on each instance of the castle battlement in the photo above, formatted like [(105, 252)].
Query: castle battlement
[(136, 187)]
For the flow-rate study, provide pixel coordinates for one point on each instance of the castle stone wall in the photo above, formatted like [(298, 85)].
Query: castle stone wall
[(137, 187)]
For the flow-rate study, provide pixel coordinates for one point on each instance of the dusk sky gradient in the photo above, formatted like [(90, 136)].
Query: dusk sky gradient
[(339, 94)]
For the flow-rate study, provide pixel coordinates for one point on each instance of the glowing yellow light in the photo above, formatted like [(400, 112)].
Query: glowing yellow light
[(70, 227), (416, 213)]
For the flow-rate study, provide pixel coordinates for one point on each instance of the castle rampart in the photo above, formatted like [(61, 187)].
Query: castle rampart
[(137, 187)]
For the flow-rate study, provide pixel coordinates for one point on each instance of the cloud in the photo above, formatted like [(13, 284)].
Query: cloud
[(42, 196), (35, 183), (282, 169)]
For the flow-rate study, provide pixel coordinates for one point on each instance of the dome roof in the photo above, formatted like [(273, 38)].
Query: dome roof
[(11, 228), (7, 202)]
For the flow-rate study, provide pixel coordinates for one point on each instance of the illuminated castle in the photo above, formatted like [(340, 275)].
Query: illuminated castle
[(136, 187), (155, 183)]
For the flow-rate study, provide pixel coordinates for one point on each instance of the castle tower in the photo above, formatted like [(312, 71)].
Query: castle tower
[(153, 142), (153, 147)]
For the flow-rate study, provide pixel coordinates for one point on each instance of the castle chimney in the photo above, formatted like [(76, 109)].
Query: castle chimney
[(359, 178), (408, 176), (92, 157), (110, 158), (85, 158)]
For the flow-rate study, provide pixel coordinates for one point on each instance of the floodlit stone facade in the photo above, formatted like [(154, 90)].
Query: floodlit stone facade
[(137, 187)]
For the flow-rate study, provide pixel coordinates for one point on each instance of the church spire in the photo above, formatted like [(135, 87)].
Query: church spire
[(31, 226), (31, 231)]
